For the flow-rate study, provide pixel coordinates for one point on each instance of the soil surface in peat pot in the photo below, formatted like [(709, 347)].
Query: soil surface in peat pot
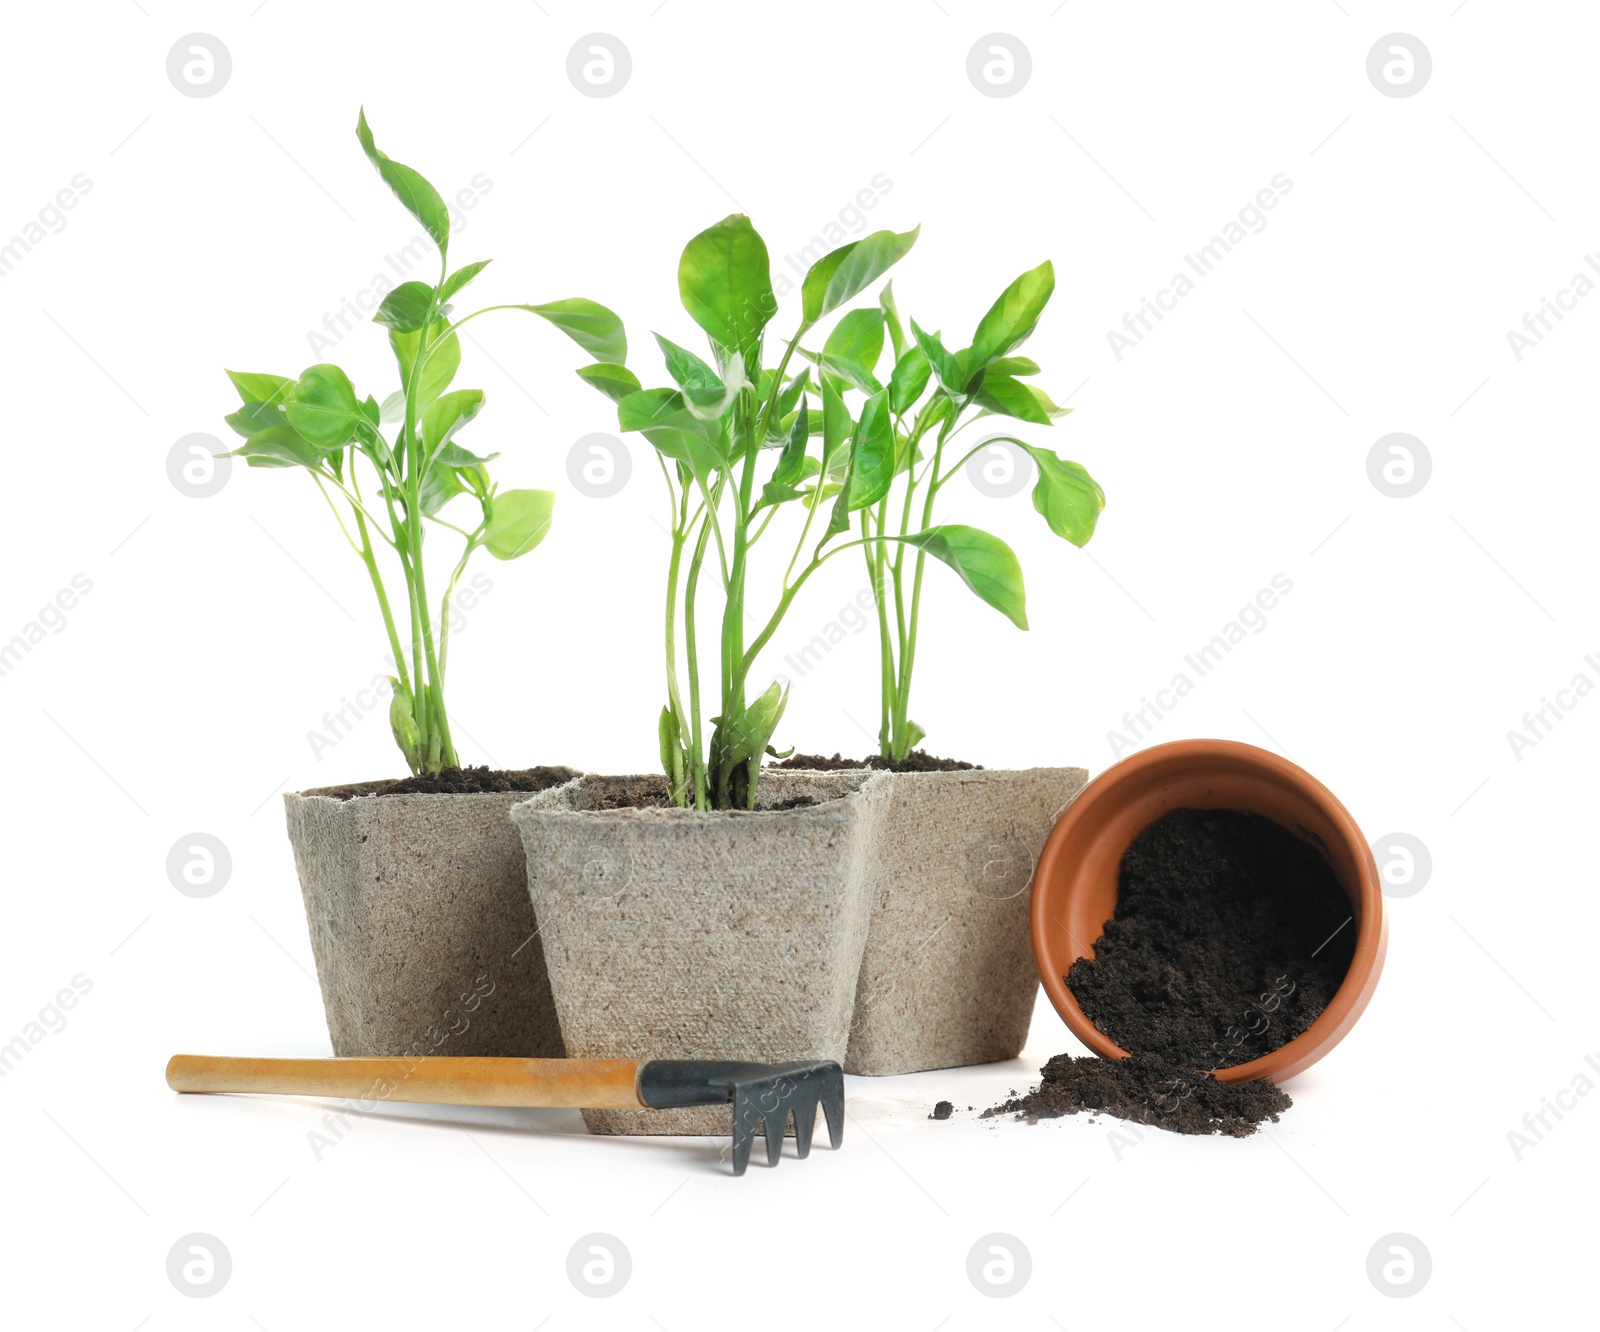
[(917, 760), (467, 781), (1230, 937)]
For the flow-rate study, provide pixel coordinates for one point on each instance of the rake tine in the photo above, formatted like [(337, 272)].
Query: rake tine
[(744, 1131), (833, 1112), (805, 1124), (775, 1122)]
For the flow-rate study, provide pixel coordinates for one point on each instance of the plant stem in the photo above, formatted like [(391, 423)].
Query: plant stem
[(909, 654)]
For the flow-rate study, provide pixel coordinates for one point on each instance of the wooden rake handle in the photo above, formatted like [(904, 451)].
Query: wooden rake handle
[(588, 1084)]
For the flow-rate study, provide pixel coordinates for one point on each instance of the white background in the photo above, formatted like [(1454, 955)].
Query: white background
[(1232, 445)]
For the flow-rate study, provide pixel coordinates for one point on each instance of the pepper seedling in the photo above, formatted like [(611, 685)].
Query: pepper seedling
[(320, 423), (738, 442), (933, 394)]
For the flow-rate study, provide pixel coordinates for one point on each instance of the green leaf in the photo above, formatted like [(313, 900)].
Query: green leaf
[(446, 415), (710, 401), (254, 416), (891, 318), (588, 323), (745, 737), (672, 757), (518, 521), (460, 278), (615, 381), (725, 283), (455, 471), (1012, 317), (687, 369), (985, 563), (403, 724), (422, 201), (260, 388), (793, 392), (1069, 498), (836, 427), (323, 406), (872, 459), (278, 446), (1013, 365), (453, 455), (854, 347), (790, 470), (911, 374), (842, 274), (666, 421), (1011, 397), (444, 359), (405, 307), (945, 365)]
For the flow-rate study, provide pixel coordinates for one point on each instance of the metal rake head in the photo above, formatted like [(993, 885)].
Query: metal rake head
[(761, 1094)]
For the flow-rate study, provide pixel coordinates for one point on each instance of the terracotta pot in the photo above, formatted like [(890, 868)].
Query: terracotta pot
[(1075, 884)]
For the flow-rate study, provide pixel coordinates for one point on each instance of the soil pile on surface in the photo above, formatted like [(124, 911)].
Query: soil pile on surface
[(917, 760), (467, 781), (1147, 1089), (1231, 935), (943, 1110)]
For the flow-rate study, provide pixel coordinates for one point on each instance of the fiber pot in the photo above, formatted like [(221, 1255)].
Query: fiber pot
[(948, 976), (673, 934), (420, 922), (1076, 881)]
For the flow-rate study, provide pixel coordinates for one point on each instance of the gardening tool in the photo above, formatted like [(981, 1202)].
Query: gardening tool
[(759, 1093)]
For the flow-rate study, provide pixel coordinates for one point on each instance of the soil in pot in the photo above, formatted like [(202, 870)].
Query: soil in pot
[(459, 781), (1230, 937), (1147, 1089), (917, 760)]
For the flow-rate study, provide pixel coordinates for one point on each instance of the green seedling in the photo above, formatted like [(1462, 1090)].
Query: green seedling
[(320, 423), (899, 468), (739, 442)]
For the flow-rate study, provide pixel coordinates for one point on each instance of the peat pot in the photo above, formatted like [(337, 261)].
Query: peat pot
[(948, 978), (420, 922), (676, 934)]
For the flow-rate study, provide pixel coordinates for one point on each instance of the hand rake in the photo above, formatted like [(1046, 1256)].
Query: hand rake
[(764, 1094)]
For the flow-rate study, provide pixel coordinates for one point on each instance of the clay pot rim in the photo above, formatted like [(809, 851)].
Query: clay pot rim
[(1354, 992)]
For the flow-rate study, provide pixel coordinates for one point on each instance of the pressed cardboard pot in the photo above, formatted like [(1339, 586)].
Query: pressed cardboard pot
[(947, 979), (675, 934), (1075, 884), (420, 922)]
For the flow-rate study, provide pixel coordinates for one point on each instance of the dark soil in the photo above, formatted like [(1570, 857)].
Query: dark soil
[(943, 1110), (1231, 935), (460, 781), (917, 760), (1147, 1089)]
